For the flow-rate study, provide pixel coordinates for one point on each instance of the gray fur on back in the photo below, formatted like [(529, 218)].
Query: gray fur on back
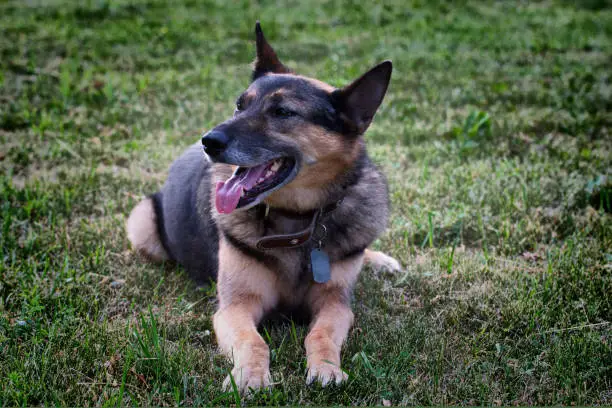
[(189, 232)]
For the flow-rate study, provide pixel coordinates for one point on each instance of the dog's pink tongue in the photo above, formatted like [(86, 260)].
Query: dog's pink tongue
[(227, 196), (228, 193)]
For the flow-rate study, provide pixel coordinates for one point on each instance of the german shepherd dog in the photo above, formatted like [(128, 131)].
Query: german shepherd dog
[(280, 209)]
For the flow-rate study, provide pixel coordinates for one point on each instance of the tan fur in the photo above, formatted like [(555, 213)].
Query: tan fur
[(242, 276), (316, 82), (378, 261), (142, 231), (320, 144), (332, 154), (331, 151), (332, 319), (236, 329), (246, 291), (320, 84), (249, 96)]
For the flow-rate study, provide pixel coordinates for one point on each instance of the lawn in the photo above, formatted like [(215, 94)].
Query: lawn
[(495, 137)]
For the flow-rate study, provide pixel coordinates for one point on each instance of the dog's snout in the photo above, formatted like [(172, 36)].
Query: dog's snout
[(215, 142)]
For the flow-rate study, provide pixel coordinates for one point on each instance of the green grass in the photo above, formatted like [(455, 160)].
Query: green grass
[(495, 137)]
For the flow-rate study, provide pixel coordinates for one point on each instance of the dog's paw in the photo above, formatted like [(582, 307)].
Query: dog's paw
[(381, 261), (325, 373), (248, 379)]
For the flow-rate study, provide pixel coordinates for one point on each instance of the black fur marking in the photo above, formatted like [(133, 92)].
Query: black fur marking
[(353, 253), (266, 60), (159, 221), (289, 314), (247, 250), (305, 276), (356, 172)]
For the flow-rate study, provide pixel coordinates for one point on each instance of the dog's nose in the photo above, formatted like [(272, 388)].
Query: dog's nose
[(215, 142)]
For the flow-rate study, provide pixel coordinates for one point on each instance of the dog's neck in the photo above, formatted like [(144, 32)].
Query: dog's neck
[(292, 237)]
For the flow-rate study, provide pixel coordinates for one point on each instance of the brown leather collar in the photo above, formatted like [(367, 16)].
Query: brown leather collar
[(299, 238)]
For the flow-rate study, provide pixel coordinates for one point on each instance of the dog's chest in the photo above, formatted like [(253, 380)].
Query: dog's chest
[(292, 264)]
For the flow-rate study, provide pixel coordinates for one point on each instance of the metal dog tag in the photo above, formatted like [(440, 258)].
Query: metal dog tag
[(319, 263)]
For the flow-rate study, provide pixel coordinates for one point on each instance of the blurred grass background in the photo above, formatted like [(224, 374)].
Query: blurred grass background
[(495, 137)]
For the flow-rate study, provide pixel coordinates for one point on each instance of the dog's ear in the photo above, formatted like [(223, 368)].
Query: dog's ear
[(358, 101), (266, 60)]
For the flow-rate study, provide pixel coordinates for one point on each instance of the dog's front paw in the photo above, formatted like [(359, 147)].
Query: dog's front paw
[(381, 261), (325, 373), (248, 378)]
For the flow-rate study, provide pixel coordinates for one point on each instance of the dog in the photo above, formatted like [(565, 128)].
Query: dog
[(280, 210)]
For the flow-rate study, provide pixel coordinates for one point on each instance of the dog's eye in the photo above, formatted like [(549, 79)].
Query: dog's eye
[(239, 104), (283, 113)]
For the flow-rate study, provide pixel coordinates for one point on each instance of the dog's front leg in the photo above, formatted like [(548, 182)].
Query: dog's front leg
[(332, 319), (236, 329), (246, 292)]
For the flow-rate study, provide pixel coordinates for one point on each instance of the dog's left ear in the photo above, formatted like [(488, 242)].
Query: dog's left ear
[(266, 60), (358, 101)]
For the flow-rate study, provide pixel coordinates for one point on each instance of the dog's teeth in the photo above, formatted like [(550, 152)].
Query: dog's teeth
[(276, 165)]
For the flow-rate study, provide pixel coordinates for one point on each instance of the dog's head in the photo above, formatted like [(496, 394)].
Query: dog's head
[(290, 135)]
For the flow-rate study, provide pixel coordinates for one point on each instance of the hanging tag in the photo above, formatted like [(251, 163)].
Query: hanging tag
[(319, 263)]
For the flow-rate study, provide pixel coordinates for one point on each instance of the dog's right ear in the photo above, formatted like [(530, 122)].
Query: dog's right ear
[(266, 60)]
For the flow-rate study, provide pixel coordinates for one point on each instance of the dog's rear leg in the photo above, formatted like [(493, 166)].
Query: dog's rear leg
[(379, 260), (143, 233)]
